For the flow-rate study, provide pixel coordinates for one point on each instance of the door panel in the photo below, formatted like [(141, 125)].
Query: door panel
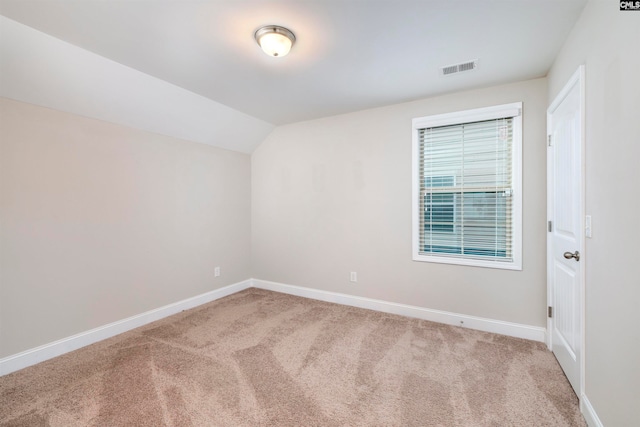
[(565, 321)]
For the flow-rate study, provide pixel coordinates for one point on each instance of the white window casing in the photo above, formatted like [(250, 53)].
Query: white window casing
[(467, 187)]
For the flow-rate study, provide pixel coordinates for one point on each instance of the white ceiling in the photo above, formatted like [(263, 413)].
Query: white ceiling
[(349, 55)]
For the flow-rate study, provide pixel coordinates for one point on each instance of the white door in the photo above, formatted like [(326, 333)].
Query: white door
[(565, 245)]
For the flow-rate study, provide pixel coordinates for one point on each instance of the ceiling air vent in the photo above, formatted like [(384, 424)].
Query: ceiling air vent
[(458, 68)]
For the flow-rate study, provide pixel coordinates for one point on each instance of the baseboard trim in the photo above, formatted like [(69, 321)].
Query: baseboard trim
[(48, 351), (534, 333), (589, 413)]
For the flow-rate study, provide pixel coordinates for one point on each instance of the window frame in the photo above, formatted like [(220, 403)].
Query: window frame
[(513, 110)]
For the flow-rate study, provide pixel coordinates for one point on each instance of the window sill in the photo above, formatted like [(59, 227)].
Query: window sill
[(500, 265)]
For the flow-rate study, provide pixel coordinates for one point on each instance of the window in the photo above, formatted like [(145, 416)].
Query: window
[(467, 203)]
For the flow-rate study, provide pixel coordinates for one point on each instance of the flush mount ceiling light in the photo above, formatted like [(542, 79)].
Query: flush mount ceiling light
[(275, 40)]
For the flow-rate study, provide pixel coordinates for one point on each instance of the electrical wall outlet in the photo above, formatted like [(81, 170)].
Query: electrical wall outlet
[(353, 277), (216, 272)]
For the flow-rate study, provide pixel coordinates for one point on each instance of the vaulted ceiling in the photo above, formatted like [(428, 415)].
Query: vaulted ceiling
[(192, 69)]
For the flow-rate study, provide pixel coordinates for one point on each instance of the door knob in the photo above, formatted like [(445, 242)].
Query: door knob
[(575, 255)]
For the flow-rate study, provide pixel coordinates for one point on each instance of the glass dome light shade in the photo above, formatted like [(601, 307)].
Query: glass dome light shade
[(275, 41)]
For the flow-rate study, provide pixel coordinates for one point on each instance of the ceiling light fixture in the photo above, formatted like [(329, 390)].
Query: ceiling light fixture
[(275, 40)]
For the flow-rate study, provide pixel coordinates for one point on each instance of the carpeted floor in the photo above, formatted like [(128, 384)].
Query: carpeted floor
[(260, 358)]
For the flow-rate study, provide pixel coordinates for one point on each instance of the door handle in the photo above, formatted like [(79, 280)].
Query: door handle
[(575, 255)]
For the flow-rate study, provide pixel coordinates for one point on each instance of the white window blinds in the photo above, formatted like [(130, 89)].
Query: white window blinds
[(466, 186)]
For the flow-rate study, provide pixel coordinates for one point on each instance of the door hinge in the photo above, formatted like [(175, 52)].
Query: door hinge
[(549, 311), (550, 226), (549, 140)]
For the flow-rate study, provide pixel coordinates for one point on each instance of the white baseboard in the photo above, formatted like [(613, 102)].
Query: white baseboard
[(534, 333), (589, 413), (45, 352), (48, 351)]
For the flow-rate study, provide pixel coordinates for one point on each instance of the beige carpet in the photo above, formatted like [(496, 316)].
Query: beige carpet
[(260, 358)]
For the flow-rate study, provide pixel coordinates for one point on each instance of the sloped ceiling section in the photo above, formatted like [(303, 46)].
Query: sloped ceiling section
[(42, 70)]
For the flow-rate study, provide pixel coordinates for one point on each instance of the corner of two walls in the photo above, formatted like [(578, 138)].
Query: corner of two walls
[(101, 222), (604, 39)]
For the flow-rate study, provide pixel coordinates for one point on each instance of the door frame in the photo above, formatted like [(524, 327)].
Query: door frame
[(578, 78)]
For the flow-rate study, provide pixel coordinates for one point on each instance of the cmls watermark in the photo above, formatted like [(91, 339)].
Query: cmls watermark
[(629, 5)]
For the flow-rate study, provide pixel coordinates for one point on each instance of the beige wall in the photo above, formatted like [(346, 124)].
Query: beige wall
[(100, 222), (606, 41), (333, 195)]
